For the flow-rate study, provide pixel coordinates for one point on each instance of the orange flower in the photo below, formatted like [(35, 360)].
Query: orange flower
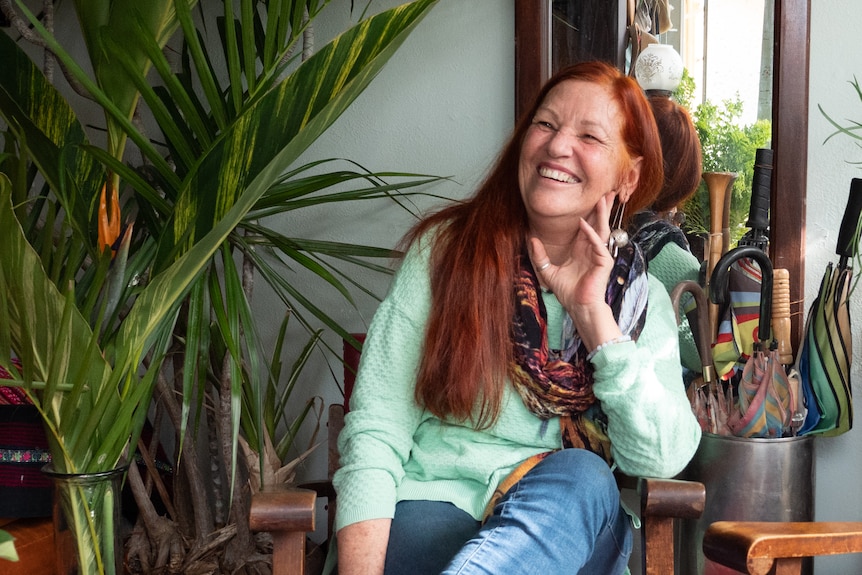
[(109, 221)]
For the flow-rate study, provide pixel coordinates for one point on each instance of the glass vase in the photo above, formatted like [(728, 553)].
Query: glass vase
[(86, 514)]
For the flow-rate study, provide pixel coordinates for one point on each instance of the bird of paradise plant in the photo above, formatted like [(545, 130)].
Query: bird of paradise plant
[(104, 316)]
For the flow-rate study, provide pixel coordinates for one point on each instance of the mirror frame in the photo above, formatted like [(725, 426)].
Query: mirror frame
[(789, 124)]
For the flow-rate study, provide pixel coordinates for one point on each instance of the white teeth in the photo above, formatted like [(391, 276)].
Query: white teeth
[(557, 175)]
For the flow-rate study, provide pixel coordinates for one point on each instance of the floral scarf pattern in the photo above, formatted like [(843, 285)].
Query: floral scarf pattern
[(560, 382)]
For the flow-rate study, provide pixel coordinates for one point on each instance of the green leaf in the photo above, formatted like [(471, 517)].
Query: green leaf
[(268, 137), (7, 547), (43, 120)]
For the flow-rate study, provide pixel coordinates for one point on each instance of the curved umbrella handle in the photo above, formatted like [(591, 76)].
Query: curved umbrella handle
[(718, 285), (702, 335), (847, 238)]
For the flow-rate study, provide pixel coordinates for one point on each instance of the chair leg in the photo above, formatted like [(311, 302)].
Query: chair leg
[(288, 553), (657, 538), (788, 566)]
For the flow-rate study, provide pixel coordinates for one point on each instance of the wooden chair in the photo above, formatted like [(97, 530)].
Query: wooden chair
[(289, 513), (777, 548)]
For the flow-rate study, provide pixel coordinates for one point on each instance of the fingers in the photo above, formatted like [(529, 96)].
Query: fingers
[(595, 240), (600, 217), (538, 254)]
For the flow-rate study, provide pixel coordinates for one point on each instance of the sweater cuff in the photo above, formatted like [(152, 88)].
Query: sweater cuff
[(377, 502)]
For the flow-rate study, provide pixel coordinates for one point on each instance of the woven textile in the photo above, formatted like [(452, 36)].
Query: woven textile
[(24, 490)]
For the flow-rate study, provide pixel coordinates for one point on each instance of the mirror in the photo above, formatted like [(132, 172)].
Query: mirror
[(533, 63)]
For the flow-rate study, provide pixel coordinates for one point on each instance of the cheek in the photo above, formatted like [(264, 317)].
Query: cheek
[(525, 162)]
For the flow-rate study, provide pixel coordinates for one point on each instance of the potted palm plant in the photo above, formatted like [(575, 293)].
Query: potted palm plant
[(105, 310)]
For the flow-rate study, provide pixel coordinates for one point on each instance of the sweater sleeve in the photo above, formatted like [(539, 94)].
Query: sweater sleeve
[(651, 426), (378, 433)]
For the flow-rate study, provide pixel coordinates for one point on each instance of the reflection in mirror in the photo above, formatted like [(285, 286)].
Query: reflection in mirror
[(726, 48), (788, 79), (587, 30)]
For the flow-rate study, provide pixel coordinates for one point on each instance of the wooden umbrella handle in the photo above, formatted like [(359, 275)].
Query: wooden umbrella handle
[(781, 314)]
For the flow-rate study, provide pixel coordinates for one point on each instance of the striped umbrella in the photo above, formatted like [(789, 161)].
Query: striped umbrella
[(765, 399), (736, 327), (826, 354)]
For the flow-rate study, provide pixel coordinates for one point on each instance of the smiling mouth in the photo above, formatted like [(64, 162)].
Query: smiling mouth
[(558, 176)]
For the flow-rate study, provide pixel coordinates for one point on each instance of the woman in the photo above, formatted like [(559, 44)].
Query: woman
[(460, 407), (656, 231)]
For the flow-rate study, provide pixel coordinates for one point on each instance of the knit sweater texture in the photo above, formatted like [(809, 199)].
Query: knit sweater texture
[(393, 450), (671, 266)]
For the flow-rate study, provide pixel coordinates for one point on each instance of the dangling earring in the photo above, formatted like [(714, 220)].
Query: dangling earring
[(619, 237)]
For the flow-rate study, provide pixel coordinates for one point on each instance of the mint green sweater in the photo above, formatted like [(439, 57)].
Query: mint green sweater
[(670, 266), (392, 449)]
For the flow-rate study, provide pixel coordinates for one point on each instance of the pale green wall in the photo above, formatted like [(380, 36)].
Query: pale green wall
[(834, 50)]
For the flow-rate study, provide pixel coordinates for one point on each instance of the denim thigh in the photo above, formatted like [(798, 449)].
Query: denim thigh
[(563, 516)]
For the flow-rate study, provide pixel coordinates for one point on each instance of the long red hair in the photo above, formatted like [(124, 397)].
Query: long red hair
[(476, 244)]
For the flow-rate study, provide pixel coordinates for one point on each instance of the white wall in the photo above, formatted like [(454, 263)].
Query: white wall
[(834, 61)]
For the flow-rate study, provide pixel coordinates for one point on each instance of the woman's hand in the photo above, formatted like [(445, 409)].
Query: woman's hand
[(579, 281)]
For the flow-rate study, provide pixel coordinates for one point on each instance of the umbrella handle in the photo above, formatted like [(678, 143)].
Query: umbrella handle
[(847, 237), (781, 314), (702, 334), (719, 292)]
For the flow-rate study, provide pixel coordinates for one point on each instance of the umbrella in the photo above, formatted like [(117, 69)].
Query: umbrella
[(707, 396), (758, 211), (826, 355), (735, 327), (765, 400)]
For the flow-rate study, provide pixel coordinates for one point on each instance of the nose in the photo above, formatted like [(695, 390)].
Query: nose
[(561, 143)]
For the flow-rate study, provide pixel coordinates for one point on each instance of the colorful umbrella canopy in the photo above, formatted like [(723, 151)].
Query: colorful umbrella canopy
[(736, 326), (765, 399), (827, 350)]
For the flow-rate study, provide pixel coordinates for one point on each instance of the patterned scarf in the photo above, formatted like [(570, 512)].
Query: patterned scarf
[(654, 233), (560, 382)]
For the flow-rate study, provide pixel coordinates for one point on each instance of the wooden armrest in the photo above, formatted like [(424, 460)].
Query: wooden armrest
[(283, 510), (753, 546), (287, 513), (671, 498)]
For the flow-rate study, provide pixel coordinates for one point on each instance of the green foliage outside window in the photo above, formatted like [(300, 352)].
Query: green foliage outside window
[(727, 146)]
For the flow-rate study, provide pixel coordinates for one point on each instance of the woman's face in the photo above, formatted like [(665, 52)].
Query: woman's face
[(573, 153)]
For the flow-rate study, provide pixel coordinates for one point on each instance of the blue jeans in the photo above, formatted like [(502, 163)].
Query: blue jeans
[(564, 516)]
